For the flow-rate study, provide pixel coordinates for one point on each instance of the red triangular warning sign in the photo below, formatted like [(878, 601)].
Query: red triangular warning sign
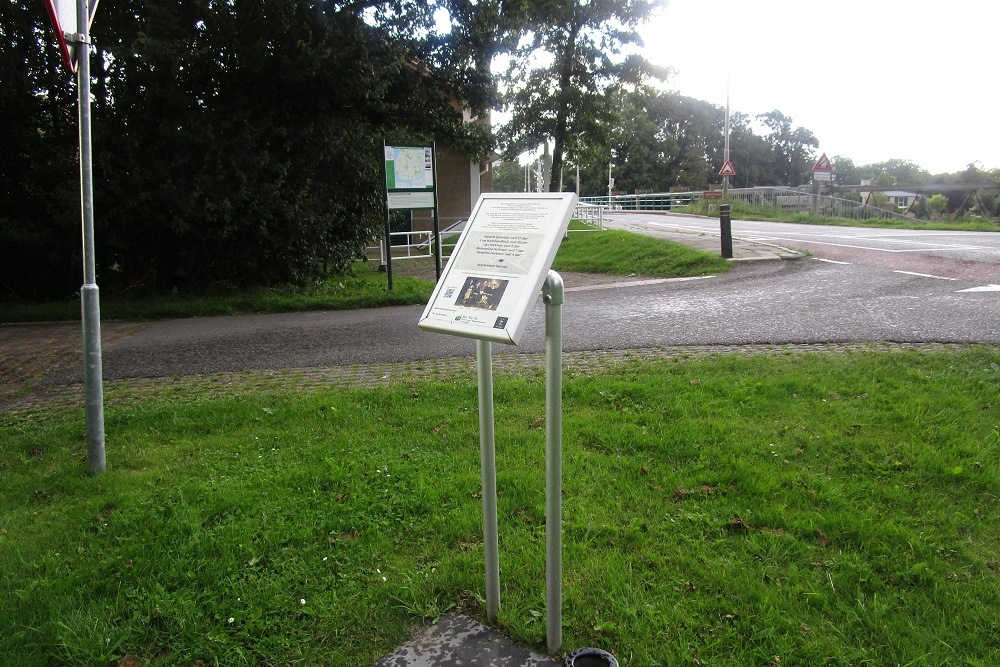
[(823, 164), (727, 169)]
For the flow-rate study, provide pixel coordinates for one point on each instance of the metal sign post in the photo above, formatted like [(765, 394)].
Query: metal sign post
[(488, 465), (90, 303), (552, 295), (71, 21)]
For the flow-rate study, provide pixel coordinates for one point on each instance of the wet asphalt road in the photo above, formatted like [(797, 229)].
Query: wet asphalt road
[(774, 302)]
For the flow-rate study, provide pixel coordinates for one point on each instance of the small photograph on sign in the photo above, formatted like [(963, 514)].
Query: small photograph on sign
[(483, 293)]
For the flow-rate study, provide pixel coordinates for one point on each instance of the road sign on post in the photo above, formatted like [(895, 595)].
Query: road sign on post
[(823, 164), (73, 36), (64, 15), (727, 169)]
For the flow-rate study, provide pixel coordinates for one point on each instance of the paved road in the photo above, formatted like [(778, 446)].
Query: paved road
[(762, 302), (802, 301), (967, 256)]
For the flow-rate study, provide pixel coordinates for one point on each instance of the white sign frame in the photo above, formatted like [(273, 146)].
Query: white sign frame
[(496, 271)]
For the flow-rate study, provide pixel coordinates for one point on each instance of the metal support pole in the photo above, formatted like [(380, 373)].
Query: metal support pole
[(726, 225), (90, 303), (388, 248), (552, 295), (437, 222), (487, 456)]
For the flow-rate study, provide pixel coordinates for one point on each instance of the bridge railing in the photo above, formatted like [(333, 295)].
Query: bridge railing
[(781, 198)]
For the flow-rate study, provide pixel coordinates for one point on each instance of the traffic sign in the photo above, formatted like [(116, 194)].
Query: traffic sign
[(65, 21), (727, 169), (823, 164)]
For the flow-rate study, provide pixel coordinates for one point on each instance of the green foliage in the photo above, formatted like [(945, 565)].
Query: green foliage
[(564, 100), (937, 203), (235, 144), (827, 509)]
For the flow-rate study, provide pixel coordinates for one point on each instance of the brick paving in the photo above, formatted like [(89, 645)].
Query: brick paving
[(48, 398)]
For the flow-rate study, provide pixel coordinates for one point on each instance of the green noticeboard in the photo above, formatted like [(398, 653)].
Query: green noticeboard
[(409, 176)]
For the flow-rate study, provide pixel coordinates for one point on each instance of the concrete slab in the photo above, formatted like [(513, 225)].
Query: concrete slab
[(460, 641)]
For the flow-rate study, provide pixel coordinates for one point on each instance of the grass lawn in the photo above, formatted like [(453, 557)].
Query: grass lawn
[(361, 287), (744, 211), (625, 253), (792, 509), (365, 287)]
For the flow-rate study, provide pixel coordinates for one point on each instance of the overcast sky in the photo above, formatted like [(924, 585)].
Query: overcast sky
[(872, 79)]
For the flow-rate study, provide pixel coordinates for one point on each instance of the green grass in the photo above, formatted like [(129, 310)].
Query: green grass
[(361, 287), (830, 509), (745, 211), (625, 253), (364, 287)]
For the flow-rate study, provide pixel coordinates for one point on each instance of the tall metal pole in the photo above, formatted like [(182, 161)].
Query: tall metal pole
[(488, 464), (90, 304), (610, 183), (437, 223), (725, 179), (552, 294)]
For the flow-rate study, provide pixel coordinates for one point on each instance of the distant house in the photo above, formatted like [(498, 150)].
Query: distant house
[(901, 199)]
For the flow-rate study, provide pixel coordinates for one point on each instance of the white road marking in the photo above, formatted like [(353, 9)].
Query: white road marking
[(634, 283), (831, 261), (924, 275), (981, 288)]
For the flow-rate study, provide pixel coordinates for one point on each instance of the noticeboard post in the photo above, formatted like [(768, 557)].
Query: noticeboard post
[(410, 184), (487, 292)]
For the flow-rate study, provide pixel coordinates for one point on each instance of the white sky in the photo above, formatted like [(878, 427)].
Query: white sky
[(872, 79)]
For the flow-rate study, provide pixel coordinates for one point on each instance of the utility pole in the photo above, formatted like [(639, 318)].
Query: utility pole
[(725, 179)]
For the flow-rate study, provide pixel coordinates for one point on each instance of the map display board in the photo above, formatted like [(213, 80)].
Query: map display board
[(409, 177), (502, 257)]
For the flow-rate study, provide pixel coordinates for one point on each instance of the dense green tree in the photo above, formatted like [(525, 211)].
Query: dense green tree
[(235, 143), (568, 69), (39, 194), (508, 177), (792, 149)]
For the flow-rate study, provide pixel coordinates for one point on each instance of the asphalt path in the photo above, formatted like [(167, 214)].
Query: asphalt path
[(803, 301), (946, 297)]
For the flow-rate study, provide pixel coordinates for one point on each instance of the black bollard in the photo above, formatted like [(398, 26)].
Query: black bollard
[(726, 224)]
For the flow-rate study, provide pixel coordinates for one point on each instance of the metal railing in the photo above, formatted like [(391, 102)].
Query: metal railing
[(417, 245), (661, 201), (781, 198), (592, 215)]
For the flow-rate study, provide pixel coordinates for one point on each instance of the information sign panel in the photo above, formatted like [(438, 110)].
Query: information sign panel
[(409, 177), (502, 257), (409, 168)]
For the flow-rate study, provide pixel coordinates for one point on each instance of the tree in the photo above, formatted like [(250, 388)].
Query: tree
[(508, 177), (39, 194), (792, 149), (938, 204), (235, 143), (582, 44)]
